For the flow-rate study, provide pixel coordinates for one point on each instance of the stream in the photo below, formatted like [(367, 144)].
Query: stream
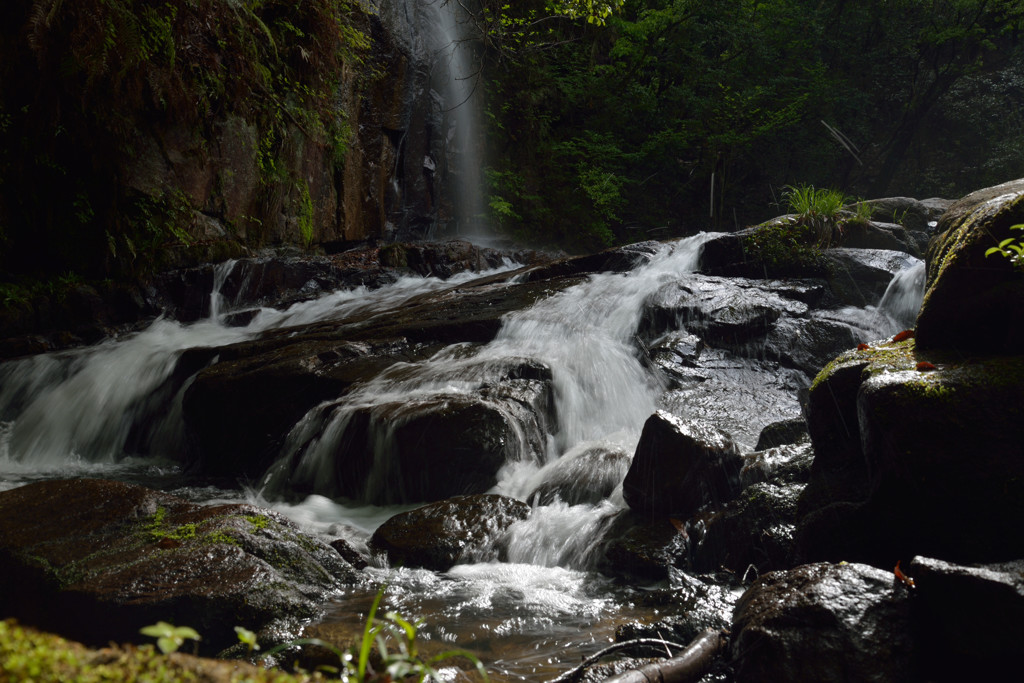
[(545, 607)]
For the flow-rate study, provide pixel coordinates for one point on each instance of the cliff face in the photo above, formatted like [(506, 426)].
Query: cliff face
[(136, 134)]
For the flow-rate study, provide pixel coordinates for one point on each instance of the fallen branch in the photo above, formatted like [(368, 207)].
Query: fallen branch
[(694, 662), (624, 645)]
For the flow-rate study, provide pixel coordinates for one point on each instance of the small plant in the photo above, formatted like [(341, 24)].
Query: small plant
[(401, 664), (169, 638), (247, 638), (820, 209), (1011, 249)]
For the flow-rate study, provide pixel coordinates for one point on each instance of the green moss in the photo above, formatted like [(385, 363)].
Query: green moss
[(219, 537), (258, 521), (786, 248), (30, 655)]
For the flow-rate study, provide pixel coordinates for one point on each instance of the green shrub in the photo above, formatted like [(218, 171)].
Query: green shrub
[(1011, 249), (819, 209)]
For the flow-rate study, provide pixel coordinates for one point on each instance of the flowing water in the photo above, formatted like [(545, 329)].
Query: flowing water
[(530, 617)]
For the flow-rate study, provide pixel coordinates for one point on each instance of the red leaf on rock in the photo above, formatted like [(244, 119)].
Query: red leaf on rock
[(903, 336), (863, 347), (906, 580), (924, 366)]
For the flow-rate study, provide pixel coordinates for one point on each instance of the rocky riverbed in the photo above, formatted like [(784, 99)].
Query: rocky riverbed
[(783, 457)]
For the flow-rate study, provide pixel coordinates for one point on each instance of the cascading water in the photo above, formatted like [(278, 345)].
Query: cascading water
[(902, 298), (78, 413)]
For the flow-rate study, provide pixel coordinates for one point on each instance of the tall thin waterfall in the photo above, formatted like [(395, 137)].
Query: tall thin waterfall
[(458, 78)]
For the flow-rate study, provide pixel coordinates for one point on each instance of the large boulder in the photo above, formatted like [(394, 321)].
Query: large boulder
[(917, 452), (972, 301), (443, 534), (823, 623), (681, 466), (728, 312), (97, 560), (385, 445)]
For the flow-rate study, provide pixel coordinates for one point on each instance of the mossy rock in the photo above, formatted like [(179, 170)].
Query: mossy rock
[(77, 549), (917, 452), (972, 301)]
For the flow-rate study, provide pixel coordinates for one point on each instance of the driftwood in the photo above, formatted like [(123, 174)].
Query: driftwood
[(688, 667)]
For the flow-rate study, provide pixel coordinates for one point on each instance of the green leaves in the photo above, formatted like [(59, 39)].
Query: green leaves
[(169, 638), (1010, 248)]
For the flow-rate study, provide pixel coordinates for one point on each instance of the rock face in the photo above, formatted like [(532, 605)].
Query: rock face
[(971, 301), (823, 623), (87, 551), (439, 535), (680, 466)]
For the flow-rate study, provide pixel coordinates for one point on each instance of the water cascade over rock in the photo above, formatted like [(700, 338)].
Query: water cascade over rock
[(394, 416)]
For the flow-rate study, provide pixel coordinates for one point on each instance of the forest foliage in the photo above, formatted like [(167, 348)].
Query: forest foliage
[(607, 121), (681, 115)]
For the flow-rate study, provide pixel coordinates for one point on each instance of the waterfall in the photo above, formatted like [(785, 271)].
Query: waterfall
[(903, 296), (457, 77)]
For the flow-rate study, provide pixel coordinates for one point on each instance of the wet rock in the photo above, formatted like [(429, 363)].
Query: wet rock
[(402, 448), (970, 620), (443, 446), (896, 442), (808, 344), (586, 476), (681, 466), (912, 214), (787, 464), (875, 235), (859, 277), (739, 395), (727, 312), (675, 355), (440, 535), (238, 412), (969, 298), (97, 560), (823, 623), (349, 554), (616, 260), (791, 431), (753, 530), (702, 604), (643, 549), (440, 259)]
